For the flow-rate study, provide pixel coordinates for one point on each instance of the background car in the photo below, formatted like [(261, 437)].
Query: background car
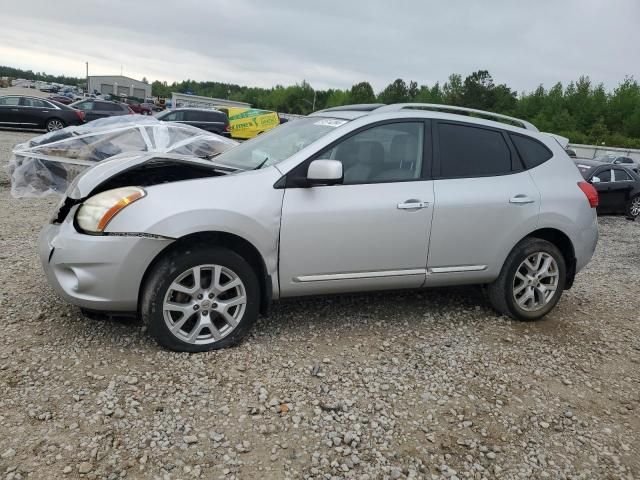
[(617, 186), (246, 123), (32, 112), (94, 108), (213, 121), (137, 107), (61, 99), (619, 160)]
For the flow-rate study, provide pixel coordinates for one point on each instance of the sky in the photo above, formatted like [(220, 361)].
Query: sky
[(328, 43)]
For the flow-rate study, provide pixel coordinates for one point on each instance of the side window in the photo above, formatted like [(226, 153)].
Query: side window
[(10, 101), (387, 153), (604, 175), (174, 117), (195, 116), (86, 106), (621, 176), (467, 151), (625, 160), (33, 102), (532, 152)]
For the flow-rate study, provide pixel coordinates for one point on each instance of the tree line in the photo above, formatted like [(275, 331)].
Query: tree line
[(580, 110)]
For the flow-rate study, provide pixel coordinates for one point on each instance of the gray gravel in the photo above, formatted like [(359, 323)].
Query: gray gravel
[(427, 384)]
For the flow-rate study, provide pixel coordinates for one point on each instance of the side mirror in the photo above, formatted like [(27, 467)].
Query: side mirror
[(324, 172), (617, 161), (595, 179)]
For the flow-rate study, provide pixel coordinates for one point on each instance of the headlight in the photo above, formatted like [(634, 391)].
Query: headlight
[(96, 212)]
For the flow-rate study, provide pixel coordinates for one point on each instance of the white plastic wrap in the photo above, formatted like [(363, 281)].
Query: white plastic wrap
[(46, 164)]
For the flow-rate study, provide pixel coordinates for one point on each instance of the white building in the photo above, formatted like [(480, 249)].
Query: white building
[(119, 85)]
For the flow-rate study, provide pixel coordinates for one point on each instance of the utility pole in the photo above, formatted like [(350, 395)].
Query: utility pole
[(87, 65), (314, 101)]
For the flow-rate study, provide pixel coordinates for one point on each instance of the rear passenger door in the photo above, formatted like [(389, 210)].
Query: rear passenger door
[(485, 202)]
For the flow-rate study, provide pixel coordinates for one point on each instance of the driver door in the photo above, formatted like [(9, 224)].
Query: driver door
[(370, 232)]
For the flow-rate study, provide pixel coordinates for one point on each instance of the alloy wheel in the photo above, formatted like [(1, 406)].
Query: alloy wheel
[(54, 125), (635, 206), (204, 304), (536, 281)]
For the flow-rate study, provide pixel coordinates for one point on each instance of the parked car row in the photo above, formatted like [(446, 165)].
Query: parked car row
[(19, 111)]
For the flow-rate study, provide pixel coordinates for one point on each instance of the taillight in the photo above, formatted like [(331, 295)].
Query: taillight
[(227, 128), (590, 192), (80, 115)]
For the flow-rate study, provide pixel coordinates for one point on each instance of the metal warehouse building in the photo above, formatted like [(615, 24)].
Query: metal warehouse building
[(120, 85)]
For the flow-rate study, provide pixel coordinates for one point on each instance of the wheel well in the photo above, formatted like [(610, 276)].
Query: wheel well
[(564, 244), (233, 242)]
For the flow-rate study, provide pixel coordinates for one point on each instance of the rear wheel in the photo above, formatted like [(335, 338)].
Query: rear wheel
[(633, 207), (54, 124), (200, 298), (531, 281)]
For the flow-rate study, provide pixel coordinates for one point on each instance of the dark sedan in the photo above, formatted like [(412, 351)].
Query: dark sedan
[(19, 111), (618, 187), (94, 108), (213, 121)]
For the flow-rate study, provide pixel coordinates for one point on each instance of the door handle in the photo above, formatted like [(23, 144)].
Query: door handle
[(521, 199), (15, 110), (412, 204)]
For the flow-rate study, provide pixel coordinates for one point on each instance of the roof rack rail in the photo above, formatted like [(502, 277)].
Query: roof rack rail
[(453, 109), (358, 107)]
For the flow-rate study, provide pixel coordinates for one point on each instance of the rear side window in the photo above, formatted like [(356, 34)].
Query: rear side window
[(467, 151), (532, 152), (33, 102), (621, 175)]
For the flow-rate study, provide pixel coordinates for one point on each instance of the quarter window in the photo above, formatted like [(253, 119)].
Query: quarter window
[(467, 151), (532, 152), (386, 153)]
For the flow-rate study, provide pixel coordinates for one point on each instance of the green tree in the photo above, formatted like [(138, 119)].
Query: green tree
[(395, 92), (362, 93)]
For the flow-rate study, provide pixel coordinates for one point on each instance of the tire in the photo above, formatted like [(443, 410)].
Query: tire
[(165, 289), (504, 290), (632, 210), (54, 124)]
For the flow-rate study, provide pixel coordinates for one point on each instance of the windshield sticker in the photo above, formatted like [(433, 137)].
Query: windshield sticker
[(330, 122)]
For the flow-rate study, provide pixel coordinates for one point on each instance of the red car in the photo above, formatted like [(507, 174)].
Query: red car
[(141, 108), (62, 99)]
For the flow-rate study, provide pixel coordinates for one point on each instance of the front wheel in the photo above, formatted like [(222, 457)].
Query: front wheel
[(200, 298), (531, 281), (633, 208)]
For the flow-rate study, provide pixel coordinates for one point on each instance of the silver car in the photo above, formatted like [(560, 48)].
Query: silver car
[(356, 198)]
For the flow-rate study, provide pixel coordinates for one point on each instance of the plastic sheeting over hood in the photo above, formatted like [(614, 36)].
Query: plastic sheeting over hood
[(47, 164)]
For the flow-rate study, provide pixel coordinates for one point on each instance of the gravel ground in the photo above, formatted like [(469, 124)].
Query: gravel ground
[(427, 384)]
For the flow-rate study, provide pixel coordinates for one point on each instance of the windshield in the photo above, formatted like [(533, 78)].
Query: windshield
[(279, 144)]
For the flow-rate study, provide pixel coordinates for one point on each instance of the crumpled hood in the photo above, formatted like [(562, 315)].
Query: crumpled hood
[(90, 179)]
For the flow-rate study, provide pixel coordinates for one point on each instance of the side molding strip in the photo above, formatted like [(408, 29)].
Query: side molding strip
[(461, 268), (359, 275)]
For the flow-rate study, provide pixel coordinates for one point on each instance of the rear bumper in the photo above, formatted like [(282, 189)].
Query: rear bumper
[(586, 243), (94, 271)]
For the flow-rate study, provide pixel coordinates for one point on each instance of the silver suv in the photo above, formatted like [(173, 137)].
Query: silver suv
[(356, 198)]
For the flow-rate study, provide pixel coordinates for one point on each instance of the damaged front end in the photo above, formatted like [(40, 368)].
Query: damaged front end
[(139, 169)]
